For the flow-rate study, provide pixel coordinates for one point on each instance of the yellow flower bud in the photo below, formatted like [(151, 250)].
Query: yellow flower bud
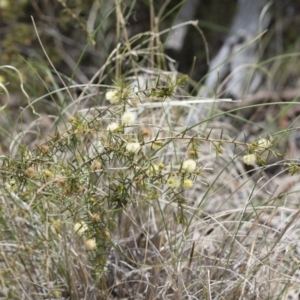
[(173, 182), (157, 145), (187, 183), (30, 172), (48, 173)]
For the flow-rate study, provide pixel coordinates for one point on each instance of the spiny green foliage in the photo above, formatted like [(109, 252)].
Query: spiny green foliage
[(109, 161)]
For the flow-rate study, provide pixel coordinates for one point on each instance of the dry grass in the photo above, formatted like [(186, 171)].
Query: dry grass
[(238, 239)]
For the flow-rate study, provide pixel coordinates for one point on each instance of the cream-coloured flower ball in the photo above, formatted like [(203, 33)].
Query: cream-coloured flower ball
[(90, 244), (133, 147), (80, 227), (249, 159), (127, 118), (112, 96), (264, 144), (112, 126), (189, 165)]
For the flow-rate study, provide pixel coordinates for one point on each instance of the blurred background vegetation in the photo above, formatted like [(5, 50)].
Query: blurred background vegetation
[(79, 35)]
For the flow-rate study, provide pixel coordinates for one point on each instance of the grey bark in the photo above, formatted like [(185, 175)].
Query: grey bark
[(238, 54), (233, 68), (177, 36)]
